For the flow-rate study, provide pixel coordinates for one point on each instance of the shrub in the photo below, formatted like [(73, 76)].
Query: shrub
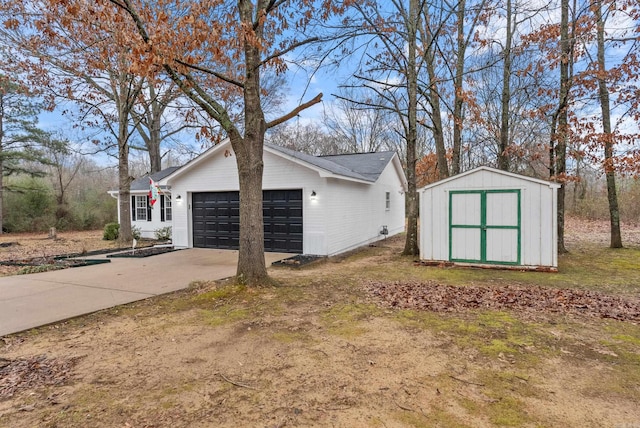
[(111, 231), (136, 232), (163, 234)]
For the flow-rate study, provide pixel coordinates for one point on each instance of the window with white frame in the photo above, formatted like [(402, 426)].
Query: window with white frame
[(167, 208), (387, 201), (141, 208)]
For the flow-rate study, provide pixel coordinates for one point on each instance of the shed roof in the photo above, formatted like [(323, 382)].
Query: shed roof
[(492, 170)]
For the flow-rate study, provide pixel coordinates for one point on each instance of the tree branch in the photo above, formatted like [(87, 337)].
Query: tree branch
[(295, 111), (211, 72), (288, 49)]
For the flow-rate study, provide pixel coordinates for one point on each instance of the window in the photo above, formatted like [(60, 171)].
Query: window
[(140, 209), (387, 201), (165, 208)]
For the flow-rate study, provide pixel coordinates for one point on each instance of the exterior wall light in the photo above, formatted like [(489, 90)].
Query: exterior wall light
[(313, 195), (179, 198)]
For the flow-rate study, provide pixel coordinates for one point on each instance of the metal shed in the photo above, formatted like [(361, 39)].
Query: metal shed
[(490, 217)]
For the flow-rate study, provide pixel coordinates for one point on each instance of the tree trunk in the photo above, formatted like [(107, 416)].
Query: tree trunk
[(436, 118), (125, 236), (609, 167), (560, 130), (1, 163), (155, 132), (458, 101), (503, 144), (411, 243), (251, 263), (252, 268), (1, 190)]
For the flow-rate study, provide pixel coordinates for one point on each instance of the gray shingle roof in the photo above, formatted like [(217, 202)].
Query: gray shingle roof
[(369, 165), (361, 166), (142, 183)]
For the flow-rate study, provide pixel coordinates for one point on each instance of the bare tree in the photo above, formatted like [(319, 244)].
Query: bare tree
[(359, 129), (603, 96)]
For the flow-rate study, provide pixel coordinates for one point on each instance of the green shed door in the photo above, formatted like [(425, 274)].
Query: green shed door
[(484, 226)]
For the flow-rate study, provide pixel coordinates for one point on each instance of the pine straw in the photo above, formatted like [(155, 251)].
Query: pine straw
[(431, 296)]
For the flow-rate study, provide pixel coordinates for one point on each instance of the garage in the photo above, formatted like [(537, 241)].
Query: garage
[(216, 220), (490, 217)]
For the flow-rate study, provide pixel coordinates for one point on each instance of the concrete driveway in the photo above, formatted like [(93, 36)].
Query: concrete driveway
[(28, 301)]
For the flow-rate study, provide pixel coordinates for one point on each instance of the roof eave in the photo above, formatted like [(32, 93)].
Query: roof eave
[(400, 171), (321, 171), (497, 171)]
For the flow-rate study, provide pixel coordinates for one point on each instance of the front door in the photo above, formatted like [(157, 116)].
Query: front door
[(484, 226)]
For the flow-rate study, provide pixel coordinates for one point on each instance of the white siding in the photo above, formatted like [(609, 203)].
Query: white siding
[(538, 213), (356, 212), (343, 215), (220, 174)]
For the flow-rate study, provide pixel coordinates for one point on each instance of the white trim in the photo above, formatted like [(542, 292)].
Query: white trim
[(494, 170)]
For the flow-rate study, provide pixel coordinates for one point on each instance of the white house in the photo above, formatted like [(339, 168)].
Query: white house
[(490, 217), (143, 216), (315, 205)]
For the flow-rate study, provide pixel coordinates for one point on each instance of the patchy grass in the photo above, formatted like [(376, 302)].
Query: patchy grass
[(348, 320)]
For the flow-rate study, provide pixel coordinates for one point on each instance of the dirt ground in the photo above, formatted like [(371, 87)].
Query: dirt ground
[(318, 350)]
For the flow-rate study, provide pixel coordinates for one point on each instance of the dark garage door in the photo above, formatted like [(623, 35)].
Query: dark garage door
[(216, 220)]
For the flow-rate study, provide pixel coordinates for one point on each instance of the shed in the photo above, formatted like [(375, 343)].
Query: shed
[(490, 217), (315, 205)]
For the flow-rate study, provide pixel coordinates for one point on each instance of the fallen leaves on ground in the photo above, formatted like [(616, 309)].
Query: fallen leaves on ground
[(431, 296), (27, 373)]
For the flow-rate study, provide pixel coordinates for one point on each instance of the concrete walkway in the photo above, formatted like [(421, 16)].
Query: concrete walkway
[(28, 301)]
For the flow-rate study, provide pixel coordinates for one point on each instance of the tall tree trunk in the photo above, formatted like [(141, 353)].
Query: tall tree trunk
[(1, 163), (458, 101), (560, 124), (436, 117), (252, 268), (128, 89), (609, 167), (124, 185), (433, 96), (411, 244), (155, 135), (1, 186), (503, 143)]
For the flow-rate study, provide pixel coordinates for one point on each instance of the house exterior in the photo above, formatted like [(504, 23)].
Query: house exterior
[(487, 216), (145, 217), (312, 205)]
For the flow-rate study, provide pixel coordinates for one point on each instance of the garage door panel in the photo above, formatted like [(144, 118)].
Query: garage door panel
[(216, 220)]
